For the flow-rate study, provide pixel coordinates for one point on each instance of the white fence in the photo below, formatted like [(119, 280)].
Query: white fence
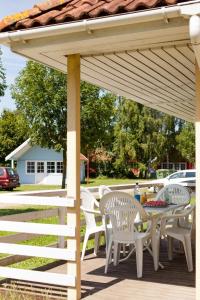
[(27, 230)]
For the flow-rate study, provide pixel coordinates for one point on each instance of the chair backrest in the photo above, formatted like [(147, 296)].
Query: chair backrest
[(88, 201), (103, 189), (174, 193), (187, 218), (122, 210), (115, 198)]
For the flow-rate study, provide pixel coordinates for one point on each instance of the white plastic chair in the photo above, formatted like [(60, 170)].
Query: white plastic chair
[(88, 206), (122, 210), (179, 226), (174, 193), (103, 189)]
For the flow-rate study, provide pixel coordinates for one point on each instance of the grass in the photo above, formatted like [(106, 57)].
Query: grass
[(92, 182)]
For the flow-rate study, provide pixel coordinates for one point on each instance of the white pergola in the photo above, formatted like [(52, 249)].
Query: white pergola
[(150, 56)]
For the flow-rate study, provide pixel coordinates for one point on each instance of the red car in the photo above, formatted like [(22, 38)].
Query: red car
[(9, 179)]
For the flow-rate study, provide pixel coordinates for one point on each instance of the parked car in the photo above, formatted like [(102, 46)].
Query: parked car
[(9, 179), (183, 177)]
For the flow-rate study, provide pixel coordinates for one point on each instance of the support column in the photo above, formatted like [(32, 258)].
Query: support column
[(73, 166), (197, 139)]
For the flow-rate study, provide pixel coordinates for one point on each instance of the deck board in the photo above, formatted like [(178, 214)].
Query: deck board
[(173, 282), (121, 283)]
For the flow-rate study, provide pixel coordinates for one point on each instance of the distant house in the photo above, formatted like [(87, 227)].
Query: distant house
[(37, 165)]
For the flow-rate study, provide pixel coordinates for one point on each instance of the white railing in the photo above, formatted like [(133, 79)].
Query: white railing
[(23, 229)]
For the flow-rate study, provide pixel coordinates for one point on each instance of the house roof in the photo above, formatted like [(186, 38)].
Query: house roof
[(24, 147), (64, 11)]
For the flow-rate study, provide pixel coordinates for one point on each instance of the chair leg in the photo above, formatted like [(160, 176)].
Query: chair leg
[(84, 245), (139, 257), (117, 247), (170, 247), (96, 242), (188, 252), (108, 255), (155, 250)]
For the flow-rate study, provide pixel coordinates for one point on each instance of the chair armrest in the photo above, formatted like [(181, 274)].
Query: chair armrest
[(91, 211)]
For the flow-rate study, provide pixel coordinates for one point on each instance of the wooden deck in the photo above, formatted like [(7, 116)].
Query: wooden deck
[(121, 283)]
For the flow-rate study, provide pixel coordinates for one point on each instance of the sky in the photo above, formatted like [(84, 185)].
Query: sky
[(12, 63)]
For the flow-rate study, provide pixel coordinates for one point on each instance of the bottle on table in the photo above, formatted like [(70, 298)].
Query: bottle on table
[(137, 192), (143, 198)]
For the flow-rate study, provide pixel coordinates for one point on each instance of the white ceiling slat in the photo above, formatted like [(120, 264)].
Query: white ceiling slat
[(177, 56), (150, 74), (144, 84), (123, 66), (170, 72), (100, 67), (159, 74), (104, 72), (114, 82), (184, 60), (172, 61), (187, 52), (102, 62), (115, 89), (134, 95)]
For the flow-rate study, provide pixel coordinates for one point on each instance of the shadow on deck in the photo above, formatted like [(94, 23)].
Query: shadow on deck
[(173, 282), (121, 283)]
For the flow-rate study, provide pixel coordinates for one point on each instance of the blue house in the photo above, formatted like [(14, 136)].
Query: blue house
[(37, 165)]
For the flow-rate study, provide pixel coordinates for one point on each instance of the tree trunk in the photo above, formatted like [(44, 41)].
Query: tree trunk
[(64, 166)]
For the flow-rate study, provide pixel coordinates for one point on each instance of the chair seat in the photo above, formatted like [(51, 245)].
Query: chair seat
[(124, 237), (174, 231), (96, 229)]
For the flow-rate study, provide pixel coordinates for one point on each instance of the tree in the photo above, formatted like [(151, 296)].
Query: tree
[(2, 78), (13, 132), (142, 134), (186, 142), (97, 113), (40, 93)]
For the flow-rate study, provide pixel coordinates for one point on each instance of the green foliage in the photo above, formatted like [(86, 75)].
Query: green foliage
[(13, 132), (186, 142), (97, 111), (40, 93), (162, 173), (2, 78), (141, 134)]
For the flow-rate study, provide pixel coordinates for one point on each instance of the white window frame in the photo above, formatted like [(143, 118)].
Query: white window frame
[(51, 161), (40, 161), (58, 161), (32, 161)]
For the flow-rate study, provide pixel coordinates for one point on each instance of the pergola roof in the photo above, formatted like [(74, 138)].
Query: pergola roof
[(145, 55), (62, 11)]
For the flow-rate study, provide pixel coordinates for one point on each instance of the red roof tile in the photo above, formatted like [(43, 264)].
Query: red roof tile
[(62, 11)]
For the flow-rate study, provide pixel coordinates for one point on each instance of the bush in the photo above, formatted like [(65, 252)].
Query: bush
[(161, 173)]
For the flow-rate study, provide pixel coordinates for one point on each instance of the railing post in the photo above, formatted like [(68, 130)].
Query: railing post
[(73, 166), (197, 139)]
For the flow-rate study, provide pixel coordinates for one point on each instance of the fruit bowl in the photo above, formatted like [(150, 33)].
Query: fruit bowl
[(156, 203)]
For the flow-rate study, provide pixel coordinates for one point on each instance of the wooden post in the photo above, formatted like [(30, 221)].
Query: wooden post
[(73, 166), (197, 139)]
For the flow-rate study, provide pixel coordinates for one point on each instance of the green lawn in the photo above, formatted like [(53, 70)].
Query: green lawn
[(92, 182)]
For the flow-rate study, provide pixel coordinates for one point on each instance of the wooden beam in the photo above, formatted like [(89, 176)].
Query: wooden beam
[(73, 166), (197, 139)]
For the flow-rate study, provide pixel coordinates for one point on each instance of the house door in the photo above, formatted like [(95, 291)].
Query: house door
[(40, 172)]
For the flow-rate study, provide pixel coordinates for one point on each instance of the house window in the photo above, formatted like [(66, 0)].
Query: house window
[(40, 167), (50, 167), (59, 167), (30, 167)]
